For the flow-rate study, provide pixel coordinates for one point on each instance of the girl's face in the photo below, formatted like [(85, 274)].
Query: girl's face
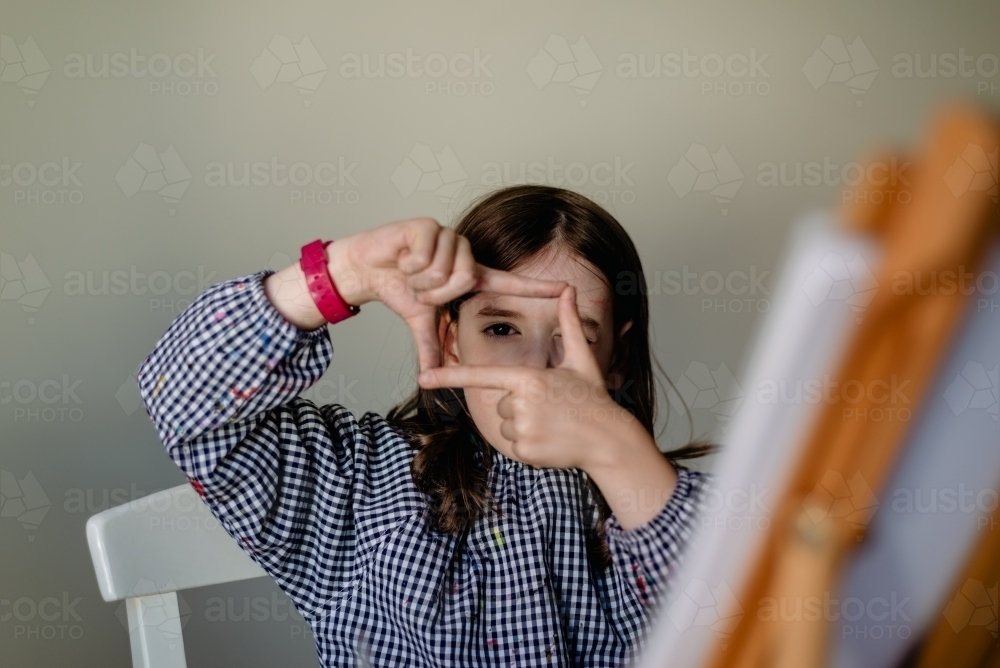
[(496, 329)]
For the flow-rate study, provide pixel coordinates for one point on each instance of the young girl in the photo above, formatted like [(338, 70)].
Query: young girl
[(514, 511)]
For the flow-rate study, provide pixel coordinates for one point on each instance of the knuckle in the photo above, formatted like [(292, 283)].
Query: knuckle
[(419, 260), (463, 279), (532, 375), (425, 297), (527, 430), (433, 278)]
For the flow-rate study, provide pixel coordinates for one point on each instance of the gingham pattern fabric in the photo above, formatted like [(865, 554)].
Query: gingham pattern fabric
[(325, 503)]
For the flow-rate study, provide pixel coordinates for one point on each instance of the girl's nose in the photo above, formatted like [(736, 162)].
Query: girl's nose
[(544, 355), (537, 356)]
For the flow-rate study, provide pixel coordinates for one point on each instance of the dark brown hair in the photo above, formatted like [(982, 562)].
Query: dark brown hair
[(505, 229)]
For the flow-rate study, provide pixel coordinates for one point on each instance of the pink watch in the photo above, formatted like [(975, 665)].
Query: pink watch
[(324, 293)]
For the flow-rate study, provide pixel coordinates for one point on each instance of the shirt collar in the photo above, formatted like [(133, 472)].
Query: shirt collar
[(500, 461)]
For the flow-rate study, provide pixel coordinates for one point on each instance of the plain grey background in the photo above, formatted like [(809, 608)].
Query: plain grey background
[(136, 169)]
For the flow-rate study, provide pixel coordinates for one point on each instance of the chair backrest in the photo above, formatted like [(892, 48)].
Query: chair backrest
[(150, 548)]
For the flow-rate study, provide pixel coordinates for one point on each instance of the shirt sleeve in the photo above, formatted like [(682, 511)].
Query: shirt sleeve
[(650, 554), (221, 388)]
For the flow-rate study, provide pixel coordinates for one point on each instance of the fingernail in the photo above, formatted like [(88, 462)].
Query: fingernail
[(423, 377)]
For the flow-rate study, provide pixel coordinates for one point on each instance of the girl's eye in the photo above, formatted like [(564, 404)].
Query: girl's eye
[(589, 342), (499, 330)]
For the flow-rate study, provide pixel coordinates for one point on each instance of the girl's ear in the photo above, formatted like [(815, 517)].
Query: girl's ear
[(448, 336), (615, 376)]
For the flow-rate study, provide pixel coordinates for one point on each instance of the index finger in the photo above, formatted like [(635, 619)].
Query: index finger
[(495, 280), (498, 377), (576, 351)]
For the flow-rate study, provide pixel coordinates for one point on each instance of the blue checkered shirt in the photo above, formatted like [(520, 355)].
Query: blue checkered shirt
[(326, 504)]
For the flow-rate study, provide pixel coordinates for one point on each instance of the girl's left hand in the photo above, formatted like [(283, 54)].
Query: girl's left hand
[(560, 417)]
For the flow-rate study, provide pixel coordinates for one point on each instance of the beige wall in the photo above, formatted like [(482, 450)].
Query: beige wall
[(71, 206)]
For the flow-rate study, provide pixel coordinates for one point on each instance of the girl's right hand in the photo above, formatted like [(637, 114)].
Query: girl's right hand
[(414, 265)]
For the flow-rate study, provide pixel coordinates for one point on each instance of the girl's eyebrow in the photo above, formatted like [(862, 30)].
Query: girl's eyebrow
[(493, 312)]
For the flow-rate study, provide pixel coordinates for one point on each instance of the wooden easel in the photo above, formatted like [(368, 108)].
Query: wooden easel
[(940, 227)]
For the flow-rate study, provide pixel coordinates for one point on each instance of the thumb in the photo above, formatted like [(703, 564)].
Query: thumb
[(576, 350), (425, 336)]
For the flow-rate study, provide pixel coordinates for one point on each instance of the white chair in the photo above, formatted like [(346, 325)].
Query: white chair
[(150, 548)]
